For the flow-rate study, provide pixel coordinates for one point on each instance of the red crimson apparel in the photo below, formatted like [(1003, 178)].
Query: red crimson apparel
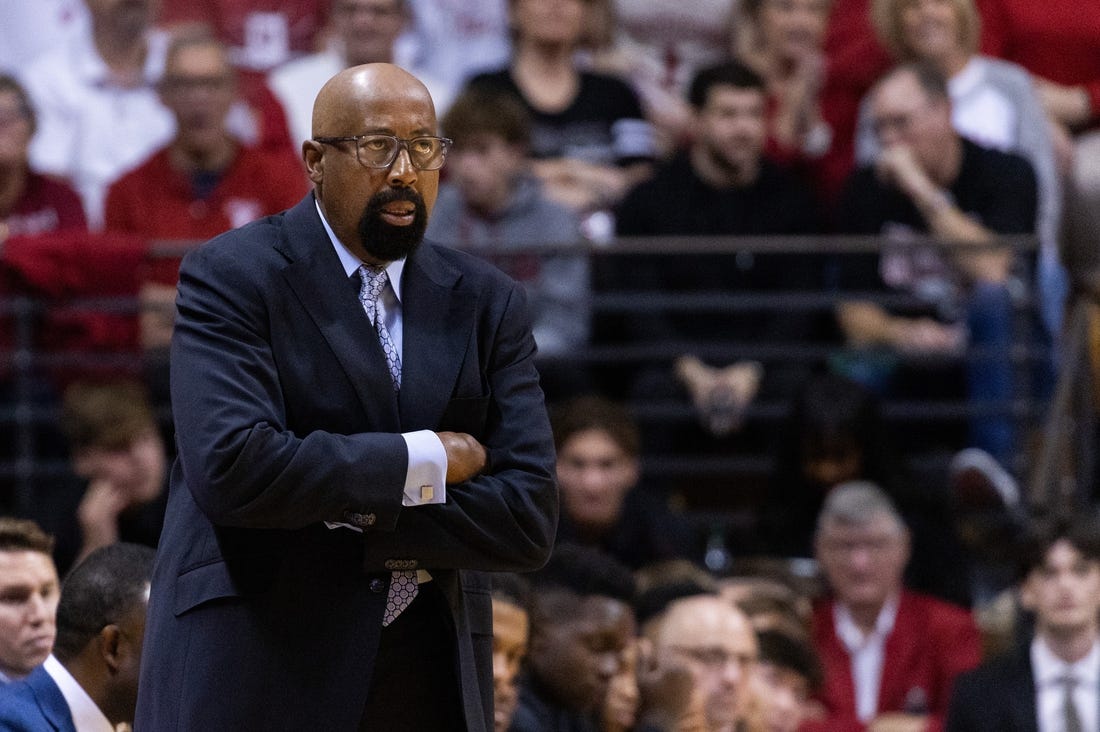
[(158, 202), (931, 643), (1058, 40)]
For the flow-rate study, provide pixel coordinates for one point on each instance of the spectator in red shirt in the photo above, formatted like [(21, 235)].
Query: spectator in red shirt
[(29, 203), (782, 42), (889, 655), (204, 182)]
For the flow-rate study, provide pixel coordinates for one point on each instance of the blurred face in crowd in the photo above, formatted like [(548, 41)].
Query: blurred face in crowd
[(124, 17), (903, 113), (484, 166), (368, 28), (594, 476), (136, 470), (509, 648), (930, 29), (15, 131), (783, 693), (716, 642), (864, 563), (378, 213), (793, 29), (29, 591), (549, 22), (731, 129), (1064, 593), (198, 87), (576, 658)]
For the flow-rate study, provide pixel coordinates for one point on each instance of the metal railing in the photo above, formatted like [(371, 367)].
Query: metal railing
[(27, 407)]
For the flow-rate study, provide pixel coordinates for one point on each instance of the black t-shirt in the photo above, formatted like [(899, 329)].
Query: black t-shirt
[(603, 124), (996, 188), (677, 202)]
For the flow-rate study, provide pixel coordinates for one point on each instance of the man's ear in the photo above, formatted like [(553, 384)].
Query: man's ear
[(313, 155), (109, 640)]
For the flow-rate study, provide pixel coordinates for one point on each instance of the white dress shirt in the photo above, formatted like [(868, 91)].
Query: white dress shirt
[(1049, 671), (867, 653), (87, 717), (427, 458), (90, 130)]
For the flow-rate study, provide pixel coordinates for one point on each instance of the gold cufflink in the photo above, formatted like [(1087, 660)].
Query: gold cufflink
[(427, 492)]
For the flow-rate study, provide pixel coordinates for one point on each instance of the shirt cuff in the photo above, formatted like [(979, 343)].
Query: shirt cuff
[(426, 479)]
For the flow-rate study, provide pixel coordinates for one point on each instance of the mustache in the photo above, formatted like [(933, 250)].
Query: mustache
[(391, 195)]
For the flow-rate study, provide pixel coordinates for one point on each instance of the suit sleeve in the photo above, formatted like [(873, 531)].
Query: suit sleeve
[(506, 518), (960, 710), (240, 460)]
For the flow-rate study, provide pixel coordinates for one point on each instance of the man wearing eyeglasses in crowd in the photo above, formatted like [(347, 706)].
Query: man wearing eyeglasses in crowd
[(714, 641), (889, 655), (360, 433)]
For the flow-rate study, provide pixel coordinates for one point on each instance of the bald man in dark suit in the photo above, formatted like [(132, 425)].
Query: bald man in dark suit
[(361, 436)]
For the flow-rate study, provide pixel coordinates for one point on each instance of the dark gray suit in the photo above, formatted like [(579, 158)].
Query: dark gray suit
[(998, 696), (261, 618)]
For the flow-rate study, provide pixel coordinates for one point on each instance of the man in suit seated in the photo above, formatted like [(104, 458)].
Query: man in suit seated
[(90, 681), (28, 598), (889, 655), (1053, 682)]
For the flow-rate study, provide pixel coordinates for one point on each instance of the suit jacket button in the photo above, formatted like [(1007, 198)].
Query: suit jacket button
[(376, 585)]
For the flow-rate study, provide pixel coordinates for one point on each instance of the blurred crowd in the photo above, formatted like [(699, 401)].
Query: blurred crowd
[(945, 130)]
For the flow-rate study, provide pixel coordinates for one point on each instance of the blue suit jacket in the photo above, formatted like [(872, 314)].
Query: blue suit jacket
[(34, 704), (261, 618)]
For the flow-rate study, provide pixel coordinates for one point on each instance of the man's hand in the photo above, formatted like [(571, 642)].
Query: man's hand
[(720, 396), (898, 722), (98, 515), (669, 700), (1069, 105), (466, 457), (898, 166), (925, 335)]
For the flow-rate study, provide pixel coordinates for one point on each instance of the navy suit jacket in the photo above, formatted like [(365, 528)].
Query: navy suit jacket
[(261, 618), (34, 704), (998, 696)]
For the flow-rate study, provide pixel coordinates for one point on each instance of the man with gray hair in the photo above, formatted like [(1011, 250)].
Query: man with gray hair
[(889, 655)]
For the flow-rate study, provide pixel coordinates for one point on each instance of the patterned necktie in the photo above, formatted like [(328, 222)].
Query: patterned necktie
[(374, 281), (403, 584), (1069, 709)]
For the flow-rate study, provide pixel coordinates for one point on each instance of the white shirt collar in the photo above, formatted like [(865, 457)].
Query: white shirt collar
[(1049, 669), (852, 636), (87, 717), (969, 78), (352, 263)]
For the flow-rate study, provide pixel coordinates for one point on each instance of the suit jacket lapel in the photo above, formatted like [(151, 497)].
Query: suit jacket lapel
[(315, 275), (50, 700), (1022, 695), (437, 320)]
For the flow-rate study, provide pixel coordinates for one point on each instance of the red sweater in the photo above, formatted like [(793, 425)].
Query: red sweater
[(854, 61), (157, 202), (931, 643), (1057, 40)]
